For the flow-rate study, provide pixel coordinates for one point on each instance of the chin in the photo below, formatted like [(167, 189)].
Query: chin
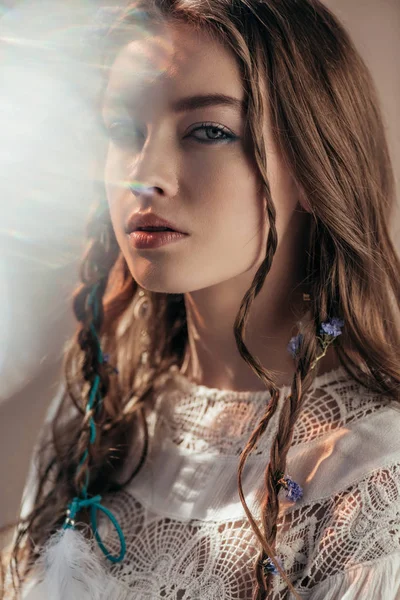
[(153, 284), (165, 279)]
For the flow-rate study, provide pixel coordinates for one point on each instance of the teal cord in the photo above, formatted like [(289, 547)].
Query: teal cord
[(92, 424), (118, 529), (94, 503)]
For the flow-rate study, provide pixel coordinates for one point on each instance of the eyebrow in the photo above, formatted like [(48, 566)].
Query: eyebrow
[(192, 102), (202, 101)]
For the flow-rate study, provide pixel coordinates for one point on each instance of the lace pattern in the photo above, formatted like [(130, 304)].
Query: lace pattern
[(186, 534), (202, 419), (196, 560), (357, 526), (186, 560)]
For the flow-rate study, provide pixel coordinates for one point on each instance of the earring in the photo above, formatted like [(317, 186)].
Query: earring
[(141, 310), (306, 298), (142, 305)]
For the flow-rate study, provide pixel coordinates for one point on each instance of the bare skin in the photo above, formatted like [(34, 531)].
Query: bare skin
[(211, 190)]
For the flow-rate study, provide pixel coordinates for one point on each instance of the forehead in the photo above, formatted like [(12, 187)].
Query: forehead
[(178, 62)]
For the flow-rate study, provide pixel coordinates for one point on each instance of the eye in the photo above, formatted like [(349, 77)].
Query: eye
[(122, 133), (218, 133)]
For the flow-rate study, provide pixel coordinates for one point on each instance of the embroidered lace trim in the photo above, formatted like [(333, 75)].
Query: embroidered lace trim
[(202, 419), (189, 560)]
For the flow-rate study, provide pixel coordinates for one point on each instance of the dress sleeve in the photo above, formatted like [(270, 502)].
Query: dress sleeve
[(372, 581)]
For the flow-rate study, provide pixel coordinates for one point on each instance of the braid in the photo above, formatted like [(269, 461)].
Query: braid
[(239, 327), (290, 411), (103, 258), (100, 257), (267, 564), (91, 368)]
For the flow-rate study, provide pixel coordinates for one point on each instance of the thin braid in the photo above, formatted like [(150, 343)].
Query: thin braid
[(291, 409), (255, 436), (270, 507), (253, 362), (255, 288), (239, 327), (91, 367), (322, 305), (101, 255)]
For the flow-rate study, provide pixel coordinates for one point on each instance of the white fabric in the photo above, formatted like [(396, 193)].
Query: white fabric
[(186, 532), (377, 580)]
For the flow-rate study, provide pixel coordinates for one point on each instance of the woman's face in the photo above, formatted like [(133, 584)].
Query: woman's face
[(204, 181)]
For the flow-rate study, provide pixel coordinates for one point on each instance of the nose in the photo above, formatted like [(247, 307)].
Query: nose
[(155, 170), (137, 188)]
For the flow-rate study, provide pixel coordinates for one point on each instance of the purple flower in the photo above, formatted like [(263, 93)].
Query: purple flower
[(293, 490), (269, 566), (106, 358), (294, 344), (332, 327)]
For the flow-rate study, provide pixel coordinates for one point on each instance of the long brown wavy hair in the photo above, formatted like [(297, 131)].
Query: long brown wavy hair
[(327, 122)]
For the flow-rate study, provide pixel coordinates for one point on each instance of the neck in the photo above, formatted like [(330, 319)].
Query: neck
[(212, 357)]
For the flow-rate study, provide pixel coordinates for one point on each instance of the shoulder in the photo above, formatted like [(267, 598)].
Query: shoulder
[(346, 431), (344, 434), (345, 543), (348, 521)]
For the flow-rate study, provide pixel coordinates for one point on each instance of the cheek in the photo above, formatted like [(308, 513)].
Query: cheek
[(113, 175), (234, 222), (115, 180), (243, 206), (115, 190), (226, 182), (232, 206)]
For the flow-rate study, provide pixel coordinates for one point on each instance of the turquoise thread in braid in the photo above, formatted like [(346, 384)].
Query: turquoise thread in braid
[(94, 503), (92, 424)]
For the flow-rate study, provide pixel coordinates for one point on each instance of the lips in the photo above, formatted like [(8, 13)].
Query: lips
[(150, 222), (154, 229)]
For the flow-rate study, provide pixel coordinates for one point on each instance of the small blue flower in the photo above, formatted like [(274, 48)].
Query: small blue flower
[(294, 344), (269, 566), (106, 358), (293, 490), (332, 327)]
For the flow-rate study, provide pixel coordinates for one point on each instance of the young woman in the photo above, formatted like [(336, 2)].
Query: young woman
[(229, 423)]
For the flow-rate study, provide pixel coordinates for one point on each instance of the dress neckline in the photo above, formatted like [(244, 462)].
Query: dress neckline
[(198, 390)]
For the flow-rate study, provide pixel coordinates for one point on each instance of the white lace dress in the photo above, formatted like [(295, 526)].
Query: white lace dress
[(186, 533)]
